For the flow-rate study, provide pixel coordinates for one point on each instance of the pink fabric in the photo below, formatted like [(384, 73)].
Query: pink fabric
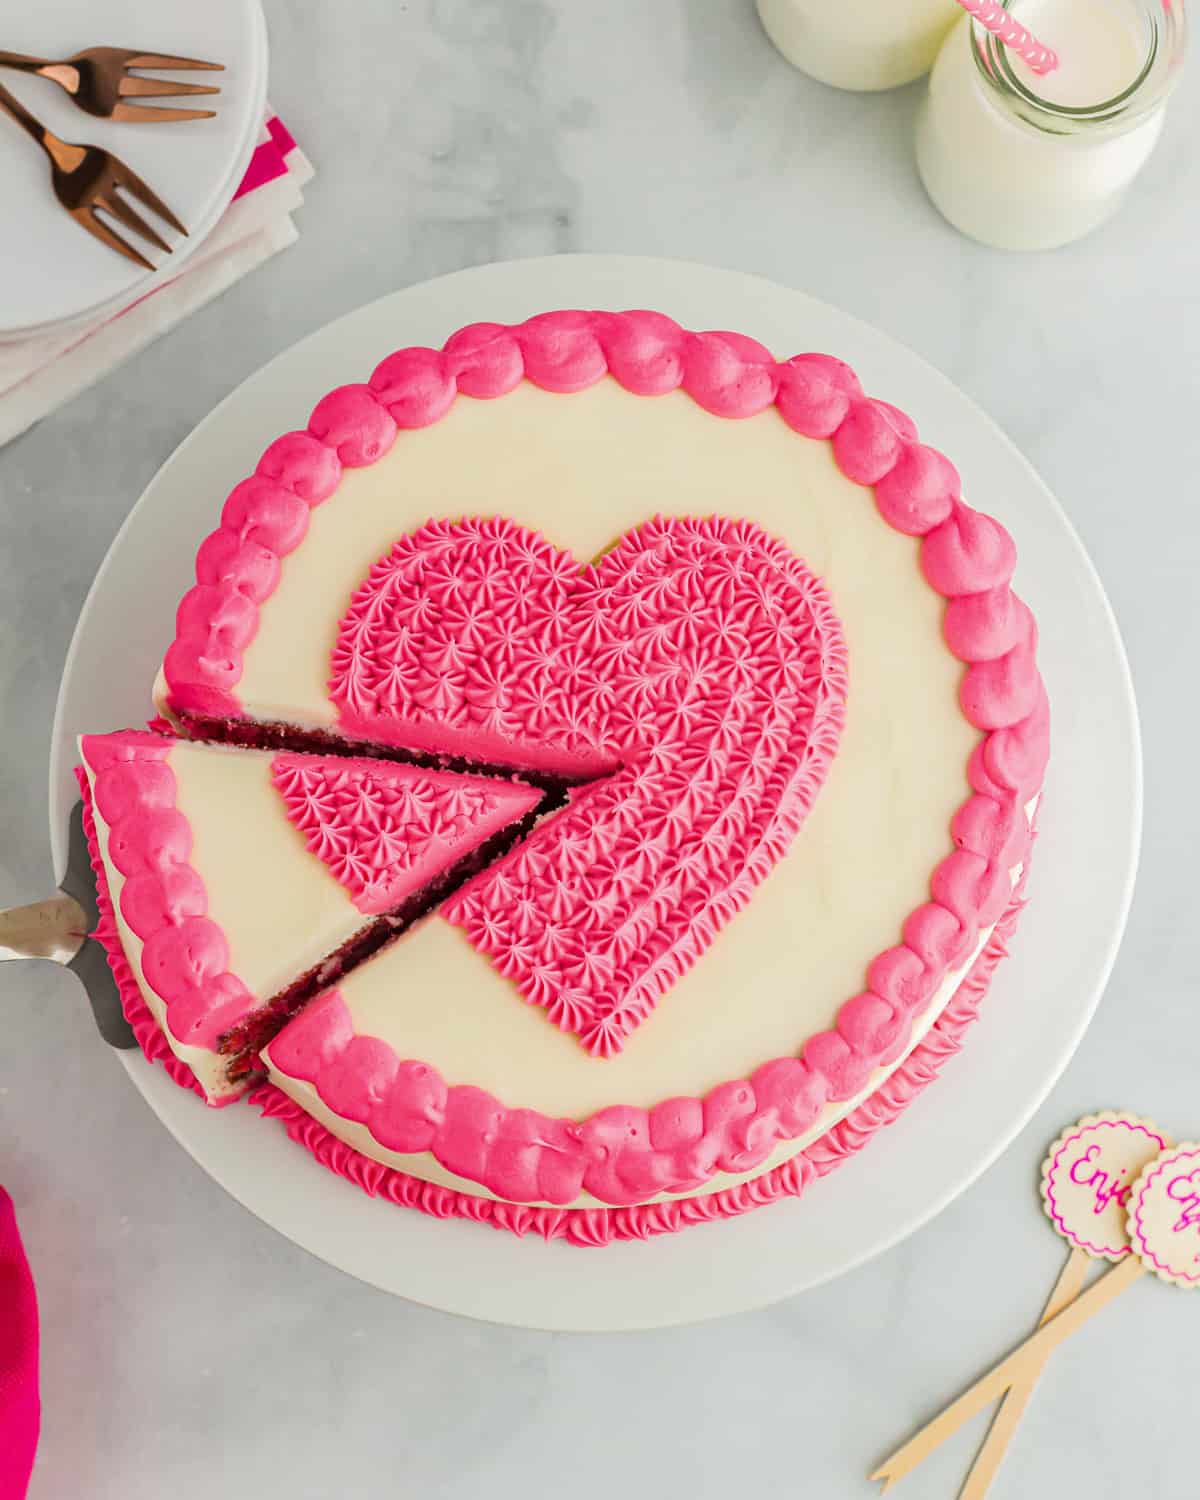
[(270, 158), (20, 1406), (281, 135)]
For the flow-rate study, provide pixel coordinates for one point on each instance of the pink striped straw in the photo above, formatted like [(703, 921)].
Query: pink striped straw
[(992, 15)]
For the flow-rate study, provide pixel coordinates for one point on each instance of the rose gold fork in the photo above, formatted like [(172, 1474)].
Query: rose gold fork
[(100, 81), (86, 178)]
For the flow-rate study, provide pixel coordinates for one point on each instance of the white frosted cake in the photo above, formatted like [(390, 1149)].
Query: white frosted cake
[(674, 717)]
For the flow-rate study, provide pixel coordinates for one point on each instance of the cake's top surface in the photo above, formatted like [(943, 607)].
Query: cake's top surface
[(582, 471), (569, 579)]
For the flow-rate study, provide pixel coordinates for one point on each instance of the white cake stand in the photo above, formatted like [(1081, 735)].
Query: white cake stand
[(1043, 997)]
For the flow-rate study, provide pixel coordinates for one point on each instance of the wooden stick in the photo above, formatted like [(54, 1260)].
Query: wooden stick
[(1026, 1358), (1012, 1406)]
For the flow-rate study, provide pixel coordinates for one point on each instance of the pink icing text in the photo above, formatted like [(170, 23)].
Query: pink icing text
[(1106, 1187), (1185, 1190)]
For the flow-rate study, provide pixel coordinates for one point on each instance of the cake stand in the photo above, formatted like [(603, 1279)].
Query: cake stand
[(1043, 996)]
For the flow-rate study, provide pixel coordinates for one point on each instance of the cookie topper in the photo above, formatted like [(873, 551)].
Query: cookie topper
[(1089, 1175), (1115, 1189), (1164, 1216)]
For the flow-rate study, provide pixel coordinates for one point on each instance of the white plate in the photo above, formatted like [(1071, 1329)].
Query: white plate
[(1043, 997), (51, 272)]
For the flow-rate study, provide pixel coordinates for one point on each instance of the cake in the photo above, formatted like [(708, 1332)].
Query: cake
[(744, 734)]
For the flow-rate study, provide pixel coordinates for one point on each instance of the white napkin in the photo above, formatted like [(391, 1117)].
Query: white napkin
[(38, 375)]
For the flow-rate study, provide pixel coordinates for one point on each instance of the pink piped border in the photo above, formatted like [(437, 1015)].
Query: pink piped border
[(185, 954), (146, 1030), (966, 556), (602, 1226)]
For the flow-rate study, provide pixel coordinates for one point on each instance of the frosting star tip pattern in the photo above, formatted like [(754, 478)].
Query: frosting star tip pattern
[(384, 829)]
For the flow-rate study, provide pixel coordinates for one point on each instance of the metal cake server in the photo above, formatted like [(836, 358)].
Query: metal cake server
[(57, 929)]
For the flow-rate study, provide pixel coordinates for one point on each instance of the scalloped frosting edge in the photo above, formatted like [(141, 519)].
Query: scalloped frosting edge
[(184, 957), (148, 1034), (387, 1105), (601, 1226)]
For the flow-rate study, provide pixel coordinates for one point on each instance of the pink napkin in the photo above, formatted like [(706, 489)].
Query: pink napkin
[(37, 375), (20, 1406)]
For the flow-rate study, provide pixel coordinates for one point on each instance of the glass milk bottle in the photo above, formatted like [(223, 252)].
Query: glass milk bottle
[(1028, 162), (859, 44)]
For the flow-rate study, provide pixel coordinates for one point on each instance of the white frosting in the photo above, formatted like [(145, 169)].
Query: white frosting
[(582, 470), (280, 908)]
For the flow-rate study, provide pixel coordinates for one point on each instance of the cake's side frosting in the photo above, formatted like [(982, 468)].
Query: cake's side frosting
[(601, 1226)]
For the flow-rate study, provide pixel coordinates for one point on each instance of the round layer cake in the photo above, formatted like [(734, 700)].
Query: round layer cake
[(763, 732)]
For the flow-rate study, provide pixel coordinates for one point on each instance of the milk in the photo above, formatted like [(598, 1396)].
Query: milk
[(859, 44), (1028, 162), (1100, 44)]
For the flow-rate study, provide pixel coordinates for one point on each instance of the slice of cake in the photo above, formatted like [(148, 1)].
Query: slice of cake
[(235, 884)]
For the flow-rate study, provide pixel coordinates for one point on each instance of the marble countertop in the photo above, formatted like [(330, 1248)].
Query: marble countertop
[(448, 133)]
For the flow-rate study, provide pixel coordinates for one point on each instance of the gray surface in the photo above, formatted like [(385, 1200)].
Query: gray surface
[(187, 1348)]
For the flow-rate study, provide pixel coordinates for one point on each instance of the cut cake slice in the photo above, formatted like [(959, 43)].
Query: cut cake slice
[(235, 884)]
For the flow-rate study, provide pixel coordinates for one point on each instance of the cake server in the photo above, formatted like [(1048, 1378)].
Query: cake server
[(57, 929)]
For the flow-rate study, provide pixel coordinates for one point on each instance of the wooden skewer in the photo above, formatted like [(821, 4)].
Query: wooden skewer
[(1019, 1366), (1012, 1406)]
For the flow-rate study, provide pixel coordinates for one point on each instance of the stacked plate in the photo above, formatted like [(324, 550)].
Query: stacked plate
[(52, 274)]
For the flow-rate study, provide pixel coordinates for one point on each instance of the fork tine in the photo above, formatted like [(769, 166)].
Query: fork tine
[(116, 206), (132, 86), (86, 218), (127, 178), (131, 114), (163, 60)]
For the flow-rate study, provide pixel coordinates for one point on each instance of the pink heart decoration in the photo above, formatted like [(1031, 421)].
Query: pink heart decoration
[(695, 674)]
